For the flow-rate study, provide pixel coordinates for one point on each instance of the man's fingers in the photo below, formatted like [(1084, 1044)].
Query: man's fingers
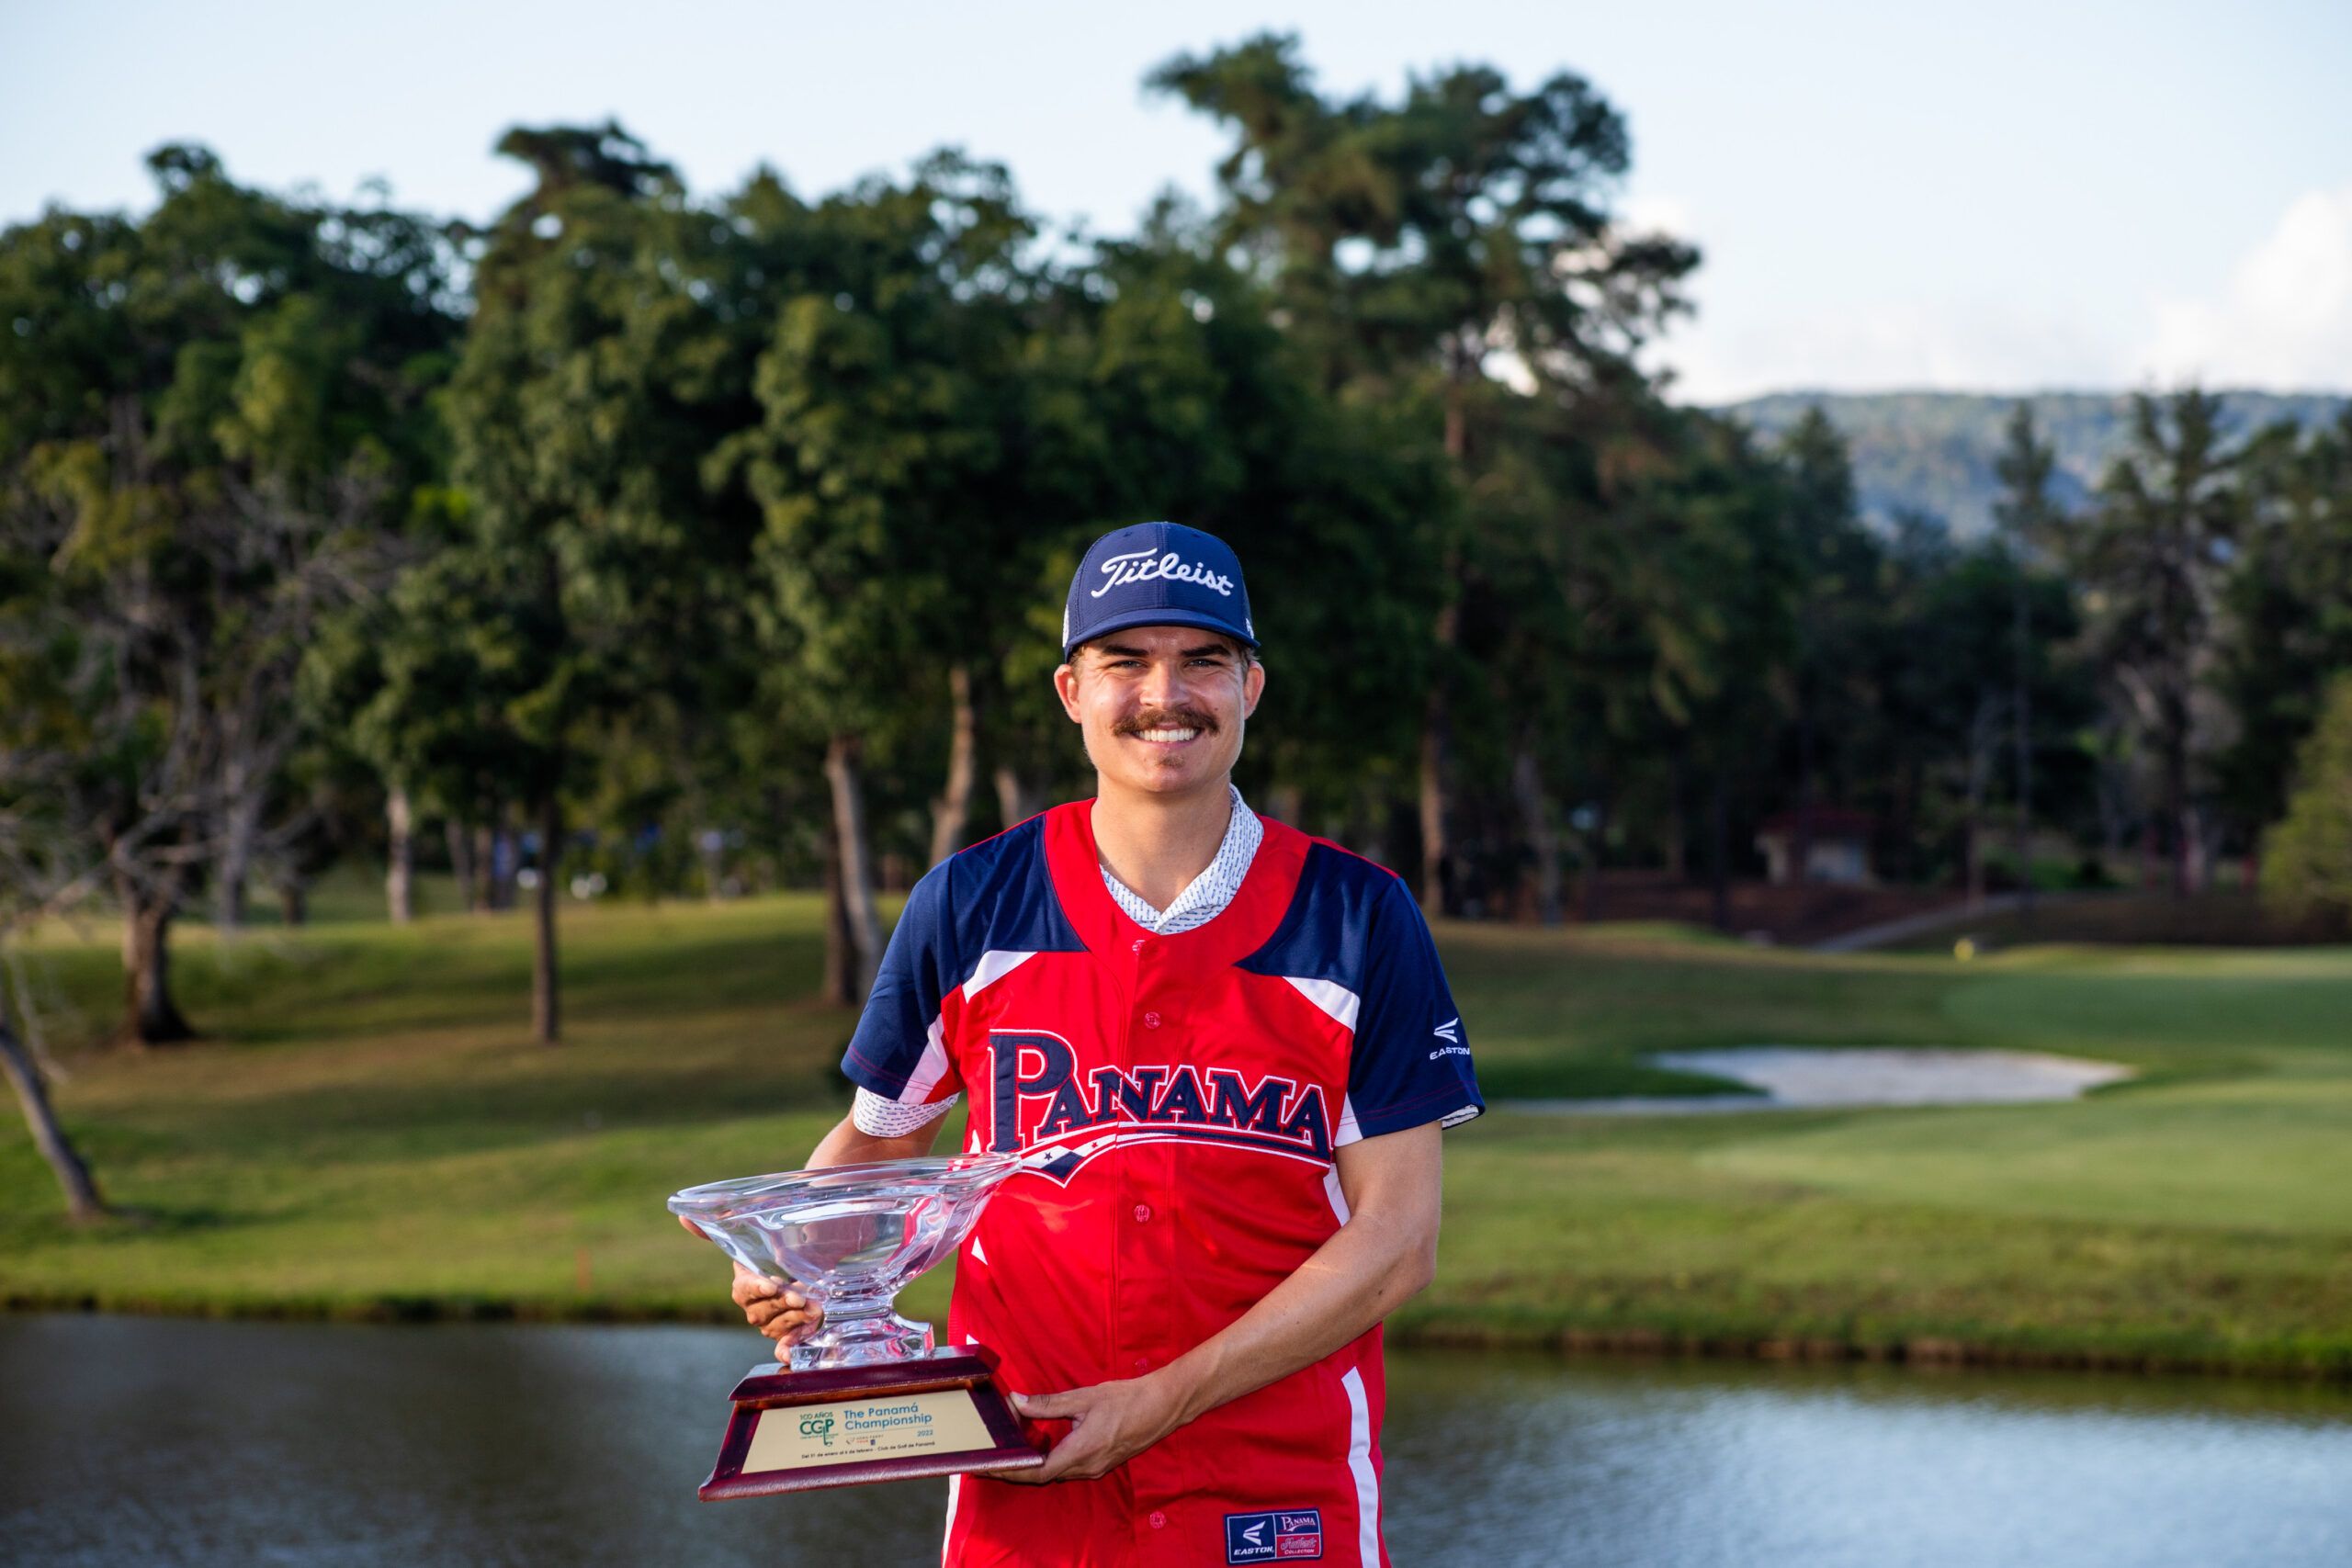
[(774, 1302), (749, 1286), (1050, 1407), (1057, 1465), (1074, 1456)]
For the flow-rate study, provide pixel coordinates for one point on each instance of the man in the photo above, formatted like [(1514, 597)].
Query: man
[(1226, 1049)]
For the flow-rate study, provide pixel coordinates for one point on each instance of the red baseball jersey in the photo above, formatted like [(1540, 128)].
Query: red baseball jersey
[(1179, 1099)]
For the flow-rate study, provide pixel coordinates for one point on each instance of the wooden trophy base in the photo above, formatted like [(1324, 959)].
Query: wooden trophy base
[(841, 1425)]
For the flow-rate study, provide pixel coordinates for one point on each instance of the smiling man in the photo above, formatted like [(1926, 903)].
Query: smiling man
[(1226, 1050)]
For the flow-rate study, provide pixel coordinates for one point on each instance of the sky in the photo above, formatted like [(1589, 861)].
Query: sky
[(1990, 197)]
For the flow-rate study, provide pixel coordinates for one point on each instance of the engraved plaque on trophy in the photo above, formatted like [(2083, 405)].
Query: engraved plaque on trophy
[(868, 1397)]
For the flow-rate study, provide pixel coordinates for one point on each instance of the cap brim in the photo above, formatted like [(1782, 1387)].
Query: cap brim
[(1159, 615)]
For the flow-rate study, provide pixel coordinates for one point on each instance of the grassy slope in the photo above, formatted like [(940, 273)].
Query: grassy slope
[(368, 1130)]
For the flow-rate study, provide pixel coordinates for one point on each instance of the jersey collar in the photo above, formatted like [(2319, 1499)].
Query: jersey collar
[(1075, 867)]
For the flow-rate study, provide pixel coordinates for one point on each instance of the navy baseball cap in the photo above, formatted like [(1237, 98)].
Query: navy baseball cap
[(1157, 574)]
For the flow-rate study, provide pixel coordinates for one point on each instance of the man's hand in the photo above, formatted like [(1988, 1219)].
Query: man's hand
[(783, 1315), (1110, 1424)]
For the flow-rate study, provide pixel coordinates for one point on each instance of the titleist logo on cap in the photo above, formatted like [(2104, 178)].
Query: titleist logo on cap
[(1143, 566)]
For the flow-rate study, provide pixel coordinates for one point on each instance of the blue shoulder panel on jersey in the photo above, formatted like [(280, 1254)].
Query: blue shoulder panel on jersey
[(1352, 924), (993, 896)]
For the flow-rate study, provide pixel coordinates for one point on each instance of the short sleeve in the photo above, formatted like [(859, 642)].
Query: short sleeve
[(898, 1051), (1411, 1061)]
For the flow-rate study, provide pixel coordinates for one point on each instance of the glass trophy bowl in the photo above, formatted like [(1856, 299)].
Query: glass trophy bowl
[(850, 1237)]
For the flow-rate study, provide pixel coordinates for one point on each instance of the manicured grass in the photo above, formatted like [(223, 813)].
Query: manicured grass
[(368, 1130)]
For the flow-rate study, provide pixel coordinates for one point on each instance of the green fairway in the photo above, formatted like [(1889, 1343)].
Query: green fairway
[(368, 1130)]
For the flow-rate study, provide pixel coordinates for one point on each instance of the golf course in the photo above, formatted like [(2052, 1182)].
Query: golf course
[(367, 1131)]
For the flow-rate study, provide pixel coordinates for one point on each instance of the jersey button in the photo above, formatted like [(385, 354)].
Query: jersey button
[(1151, 1021), (1143, 1212), (1159, 1520), (1143, 1363)]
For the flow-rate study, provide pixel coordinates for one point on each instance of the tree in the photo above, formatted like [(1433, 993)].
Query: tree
[(1838, 563), (2151, 556), (1429, 250), (2310, 858), (578, 416), (2287, 603), (2027, 519), (891, 465), (44, 868)]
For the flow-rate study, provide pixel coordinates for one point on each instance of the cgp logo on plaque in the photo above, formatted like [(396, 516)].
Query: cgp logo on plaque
[(1288, 1535)]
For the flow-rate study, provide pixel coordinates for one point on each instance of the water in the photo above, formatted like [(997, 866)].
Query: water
[(129, 1441)]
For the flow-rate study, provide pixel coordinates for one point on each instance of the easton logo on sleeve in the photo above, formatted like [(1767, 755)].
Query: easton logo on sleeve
[(1288, 1535), (1042, 1107)]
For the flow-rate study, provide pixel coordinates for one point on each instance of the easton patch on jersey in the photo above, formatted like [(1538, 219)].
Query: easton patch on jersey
[(1286, 1535), (1061, 1118)]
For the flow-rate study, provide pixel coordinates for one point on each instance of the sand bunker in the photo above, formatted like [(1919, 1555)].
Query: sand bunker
[(1799, 1076)]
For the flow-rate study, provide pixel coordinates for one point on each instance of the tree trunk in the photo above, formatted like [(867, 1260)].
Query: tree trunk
[(840, 948), (953, 810), (1543, 839), (400, 866), (461, 862), (486, 864), (2021, 720), (1435, 718), (1433, 807), (856, 861), (150, 1016), (506, 863), (545, 1025), (1435, 813), (710, 843), (240, 826), (293, 902), (2176, 765), (1984, 745), (1015, 803), (83, 1204)]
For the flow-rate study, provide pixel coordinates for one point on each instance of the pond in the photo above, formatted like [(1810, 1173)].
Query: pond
[(132, 1441)]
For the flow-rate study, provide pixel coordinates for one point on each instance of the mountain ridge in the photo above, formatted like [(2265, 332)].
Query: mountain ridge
[(1934, 453)]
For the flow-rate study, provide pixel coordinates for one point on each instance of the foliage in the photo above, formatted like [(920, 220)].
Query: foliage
[(724, 533), (2308, 859)]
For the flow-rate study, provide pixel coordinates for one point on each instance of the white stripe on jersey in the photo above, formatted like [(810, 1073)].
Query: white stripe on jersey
[(1347, 1132), (1360, 1461), (1339, 1197), (1336, 1002), (994, 966)]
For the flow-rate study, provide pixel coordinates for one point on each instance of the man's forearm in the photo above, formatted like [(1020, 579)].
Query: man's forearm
[(1368, 1268), (846, 1145)]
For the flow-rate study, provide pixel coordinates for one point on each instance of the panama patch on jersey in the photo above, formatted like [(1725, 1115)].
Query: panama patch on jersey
[(1287, 1535), (1072, 1117)]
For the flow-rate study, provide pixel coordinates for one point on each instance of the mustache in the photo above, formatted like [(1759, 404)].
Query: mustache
[(1166, 718)]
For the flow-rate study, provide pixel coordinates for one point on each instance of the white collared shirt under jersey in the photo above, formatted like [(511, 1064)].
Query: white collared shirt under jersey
[(1203, 900)]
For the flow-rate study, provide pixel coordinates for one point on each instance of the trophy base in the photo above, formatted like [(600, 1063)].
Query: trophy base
[(939, 1415)]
